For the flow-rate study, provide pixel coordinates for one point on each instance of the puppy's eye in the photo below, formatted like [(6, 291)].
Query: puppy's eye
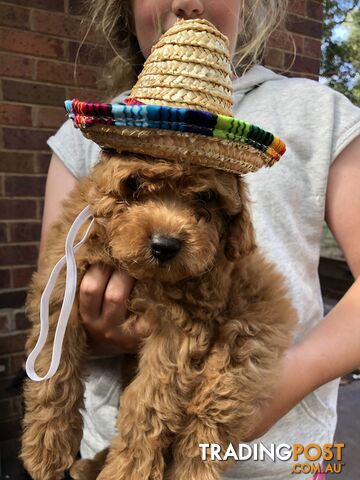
[(108, 150), (206, 196), (133, 183)]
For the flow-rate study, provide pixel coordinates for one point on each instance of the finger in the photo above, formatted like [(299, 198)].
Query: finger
[(128, 335), (114, 343), (116, 294), (91, 292)]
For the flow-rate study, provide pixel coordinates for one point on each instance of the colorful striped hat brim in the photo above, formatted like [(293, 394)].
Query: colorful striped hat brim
[(86, 115)]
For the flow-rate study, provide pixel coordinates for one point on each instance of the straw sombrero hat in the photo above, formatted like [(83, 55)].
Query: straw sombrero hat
[(181, 107)]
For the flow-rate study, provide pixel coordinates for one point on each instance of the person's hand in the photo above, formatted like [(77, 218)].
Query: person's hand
[(103, 307)]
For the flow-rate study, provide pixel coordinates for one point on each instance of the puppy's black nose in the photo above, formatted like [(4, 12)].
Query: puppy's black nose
[(164, 248)]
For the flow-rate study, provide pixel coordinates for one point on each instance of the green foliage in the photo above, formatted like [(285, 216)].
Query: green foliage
[(341, 57)]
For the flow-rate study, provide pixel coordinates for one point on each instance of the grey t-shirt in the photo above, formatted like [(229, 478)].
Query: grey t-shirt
[(288, 203)]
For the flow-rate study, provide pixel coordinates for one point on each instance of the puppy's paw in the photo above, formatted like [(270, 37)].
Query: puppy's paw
[(84, 470), (89, 469)]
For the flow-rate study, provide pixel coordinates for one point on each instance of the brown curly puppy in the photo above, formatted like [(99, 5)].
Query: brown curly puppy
[(221, 315)]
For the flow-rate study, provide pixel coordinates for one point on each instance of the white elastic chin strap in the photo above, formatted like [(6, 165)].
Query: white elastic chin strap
[(70, 289)]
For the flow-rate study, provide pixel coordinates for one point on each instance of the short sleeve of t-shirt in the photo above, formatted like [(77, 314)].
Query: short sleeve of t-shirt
[(346, 123), (76, 152)]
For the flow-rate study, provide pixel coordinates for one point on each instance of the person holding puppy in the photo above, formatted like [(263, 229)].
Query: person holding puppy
[(318, 177)]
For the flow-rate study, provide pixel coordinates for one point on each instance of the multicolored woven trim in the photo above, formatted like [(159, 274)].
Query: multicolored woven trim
[(85, 115)]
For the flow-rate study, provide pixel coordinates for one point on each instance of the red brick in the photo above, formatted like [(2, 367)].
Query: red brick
[(286, 41), (3, 233), (16, 384), (10, 448), (60, 25), (21, 323), (4, 326), (18, 406), (15, 162), (280, 39), (25, 232), (10, 429), (12, 16), (16, 208), (6, 411), (10, 408), (77, 7), (43, 161), (64, 73), (314, 10), (48, 117), (291, 74), (304, 26), (21, 276), (274, 58), (31, 43), (5, 384), (28, 92), (297, 6), (24, 139), (312, 47), (303, 65), (11, 114), (18, 254), (299, 44), (89, 54), (17, 362), (16, 66), (20, 186), (54, 5), (12, 299), (85, 94), (40, 209), (12, 343), (5, 278), (5, 364)]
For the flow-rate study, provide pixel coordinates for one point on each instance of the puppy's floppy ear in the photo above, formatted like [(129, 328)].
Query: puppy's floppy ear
[(103, 184), (240, 235)]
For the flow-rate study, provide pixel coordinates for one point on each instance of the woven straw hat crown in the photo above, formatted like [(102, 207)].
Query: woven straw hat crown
[(189, 67), (180, 109)]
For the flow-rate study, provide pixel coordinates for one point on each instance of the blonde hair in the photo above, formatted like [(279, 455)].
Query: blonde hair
[(114, 19)]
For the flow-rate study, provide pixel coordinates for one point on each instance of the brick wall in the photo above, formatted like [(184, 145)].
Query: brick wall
[(300, 33), (39, 40)]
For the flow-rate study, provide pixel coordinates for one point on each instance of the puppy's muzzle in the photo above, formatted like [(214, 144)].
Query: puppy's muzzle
[(164, 248)]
